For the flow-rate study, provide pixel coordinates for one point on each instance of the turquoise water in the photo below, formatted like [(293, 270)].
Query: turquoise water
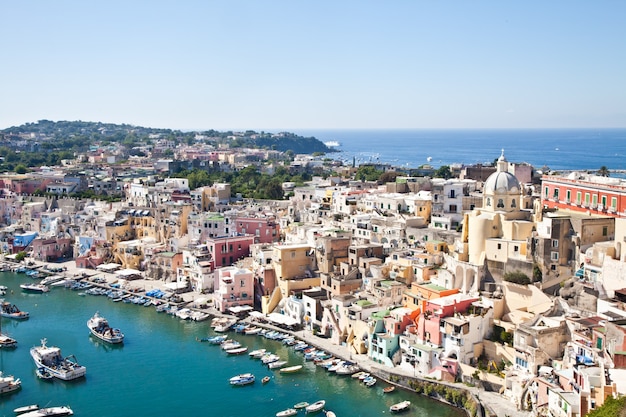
[(161, 370)]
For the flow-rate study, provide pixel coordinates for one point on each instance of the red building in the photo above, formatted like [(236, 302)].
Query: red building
[(229, 249), (585, 193), (265, 229)]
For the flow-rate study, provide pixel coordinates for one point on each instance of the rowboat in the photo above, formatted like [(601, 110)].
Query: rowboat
[(300, 405), (389, 389), (265, 379), (287, 413)]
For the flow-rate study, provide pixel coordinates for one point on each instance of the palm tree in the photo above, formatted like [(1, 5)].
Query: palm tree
[(604, 171)]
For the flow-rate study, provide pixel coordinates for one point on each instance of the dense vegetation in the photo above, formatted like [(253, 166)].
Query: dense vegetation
[(248, 182), (611, 408)]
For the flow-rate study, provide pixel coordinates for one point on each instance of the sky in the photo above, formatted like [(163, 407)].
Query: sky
[(270, 65)]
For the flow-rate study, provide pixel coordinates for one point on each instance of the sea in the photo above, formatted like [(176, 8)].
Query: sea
[(544, 149), (161, 370)]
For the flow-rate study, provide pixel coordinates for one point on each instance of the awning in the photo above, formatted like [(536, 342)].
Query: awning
[(282, 319), (240, 309)]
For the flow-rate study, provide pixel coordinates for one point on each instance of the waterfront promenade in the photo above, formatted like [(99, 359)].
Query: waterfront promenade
[(494, 403)]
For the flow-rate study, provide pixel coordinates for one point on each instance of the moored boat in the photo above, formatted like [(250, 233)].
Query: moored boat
[(401, 406), (99, 327), (43, 373), (242, 379), (287, 413), (316, 407), (48, 412), (330, 414), (290, 369), (277, 364), (36, 288), (389, 389), (265, 379), (50, 358), (26, 408), (237, 351), (9, 383), (301, 405)]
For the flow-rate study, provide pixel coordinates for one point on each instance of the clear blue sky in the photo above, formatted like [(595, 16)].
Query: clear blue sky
[(264, 64)]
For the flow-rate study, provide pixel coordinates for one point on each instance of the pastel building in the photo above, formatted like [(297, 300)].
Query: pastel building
[(234, 287)]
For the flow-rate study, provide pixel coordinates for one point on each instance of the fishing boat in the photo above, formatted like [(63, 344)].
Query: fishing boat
[(43, 373), (48, 412), (36, 288), (287, 413), (242, 379), (290, 369), (99, 327), (11, 311), (50, 358), (316, 407), (9, 383), (6, 341), (389, 389), (401, 406)]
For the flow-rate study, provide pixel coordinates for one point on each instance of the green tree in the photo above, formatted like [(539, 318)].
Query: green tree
[(20, 169), (604, 171), (443, 172)]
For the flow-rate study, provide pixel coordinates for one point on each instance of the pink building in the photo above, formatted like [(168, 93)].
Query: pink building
[(228, 250), (52, 249), (265, 230), (234, 287), (429, 323)]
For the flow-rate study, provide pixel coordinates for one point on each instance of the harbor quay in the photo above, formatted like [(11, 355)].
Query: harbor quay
[(487, 403)]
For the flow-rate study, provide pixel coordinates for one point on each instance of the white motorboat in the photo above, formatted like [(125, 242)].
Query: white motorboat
[(6, 341), (287, 413), (401, 406), (52, 279), (9, 383), (37, 288), (315, 407), (242, 379), (290, 369), (257, 353), (99, 327), (26, 408), (50, 358), (237, 351), (48, 412), (277, 364)]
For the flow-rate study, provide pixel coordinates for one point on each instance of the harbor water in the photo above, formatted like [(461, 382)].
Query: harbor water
[(161, 370)]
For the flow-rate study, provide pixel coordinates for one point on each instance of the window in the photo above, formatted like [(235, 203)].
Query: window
[(488, 204), (603, 199), (242, 283), (578, 197), (568, 195), (500, 203), (453, 208), (499, 246), (556, 194), (554, 256), (546, 192), (614, 203), (605, 230), (515, 248), (587, 199), (594, 201), (513, 204), (555, 243)]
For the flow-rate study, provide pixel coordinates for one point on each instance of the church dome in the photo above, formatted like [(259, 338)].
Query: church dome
[(502, 183)]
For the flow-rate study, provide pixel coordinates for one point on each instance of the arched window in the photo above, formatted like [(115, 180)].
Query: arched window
[(500, 203), (488, 201), (513, 204)]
